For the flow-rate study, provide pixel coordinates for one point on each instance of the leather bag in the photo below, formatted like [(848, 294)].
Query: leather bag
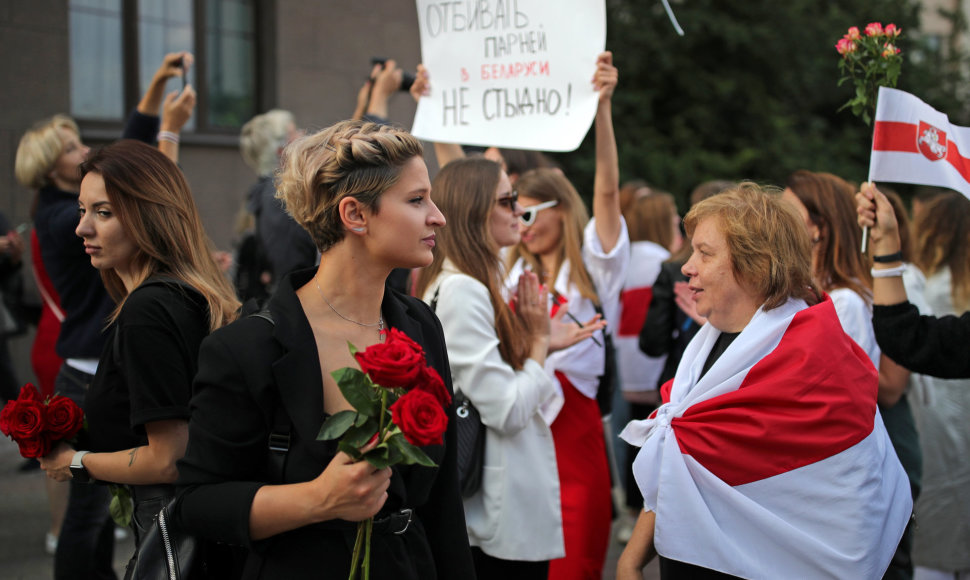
[(471, 445)]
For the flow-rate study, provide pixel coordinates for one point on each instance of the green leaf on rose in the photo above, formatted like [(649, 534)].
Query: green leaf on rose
[(358, 389), (337, 424), (350, 450), (410, 453), (121, 507), (359, 436)]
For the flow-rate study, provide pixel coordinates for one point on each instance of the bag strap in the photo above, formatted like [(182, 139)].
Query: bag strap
[(279, 437)]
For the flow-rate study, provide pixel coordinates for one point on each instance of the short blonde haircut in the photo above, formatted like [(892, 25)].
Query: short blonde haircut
[(355, 159), (39, 149), (771, 253), (261, 139)]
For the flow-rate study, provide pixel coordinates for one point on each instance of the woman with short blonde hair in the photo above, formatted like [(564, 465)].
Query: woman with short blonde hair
[(362, 192)]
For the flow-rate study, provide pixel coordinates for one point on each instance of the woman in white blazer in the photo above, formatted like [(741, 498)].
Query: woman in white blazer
[(497, 351)]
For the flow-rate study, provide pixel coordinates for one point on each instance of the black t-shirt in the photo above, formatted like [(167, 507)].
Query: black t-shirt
[(720, 345), (147, 365)]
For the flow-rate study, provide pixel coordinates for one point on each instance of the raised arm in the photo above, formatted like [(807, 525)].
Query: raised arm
[(444, 152), (606, 185), (876, 213), (178, 111), (923, 344), (143, 124), (175, 64)]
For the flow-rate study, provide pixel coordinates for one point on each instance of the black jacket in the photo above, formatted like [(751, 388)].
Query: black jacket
[(923, 344), (667, 330), (248, 368)]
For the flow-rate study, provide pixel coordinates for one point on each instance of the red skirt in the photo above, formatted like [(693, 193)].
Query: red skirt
[(584, 483)]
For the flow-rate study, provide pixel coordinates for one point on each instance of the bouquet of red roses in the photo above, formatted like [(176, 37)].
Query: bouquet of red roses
[(37, 425), (399, 403)]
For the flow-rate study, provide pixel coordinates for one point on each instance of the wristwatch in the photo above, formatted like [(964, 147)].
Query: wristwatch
[(78, 471)]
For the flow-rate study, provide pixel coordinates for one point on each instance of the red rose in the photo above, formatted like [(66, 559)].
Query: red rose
[(6, 417), (393, 363), (430, 381), (420, 417), (29, 393), (27, 420), (34, 446), (64, 418)]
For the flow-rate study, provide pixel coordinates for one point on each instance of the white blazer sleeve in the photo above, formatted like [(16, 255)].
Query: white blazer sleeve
[(506, 399)]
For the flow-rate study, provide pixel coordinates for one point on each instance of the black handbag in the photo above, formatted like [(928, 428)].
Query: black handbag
[(470, 439), (471, 445), (165, 552)]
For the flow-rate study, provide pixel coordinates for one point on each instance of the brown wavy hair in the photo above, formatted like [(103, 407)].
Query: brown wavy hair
[(154, 204), (770, 250), (464, 191), (943, 241), (830, 200)]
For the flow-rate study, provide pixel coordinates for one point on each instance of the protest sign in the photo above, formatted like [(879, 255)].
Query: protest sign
[(510, 73)]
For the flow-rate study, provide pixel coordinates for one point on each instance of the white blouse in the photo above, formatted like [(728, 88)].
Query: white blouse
[(583, 363)]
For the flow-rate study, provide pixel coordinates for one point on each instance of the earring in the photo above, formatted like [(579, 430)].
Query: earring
[(357, 229)]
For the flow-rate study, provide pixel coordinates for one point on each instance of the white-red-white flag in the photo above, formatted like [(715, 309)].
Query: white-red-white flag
[(775, 463), (914, 143)]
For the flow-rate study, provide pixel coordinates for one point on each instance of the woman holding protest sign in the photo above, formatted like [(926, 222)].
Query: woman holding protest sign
[(496, 353), (556, 234), (583, 264)]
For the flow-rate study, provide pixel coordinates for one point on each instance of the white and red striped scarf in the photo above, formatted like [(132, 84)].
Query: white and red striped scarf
[(774, 464)]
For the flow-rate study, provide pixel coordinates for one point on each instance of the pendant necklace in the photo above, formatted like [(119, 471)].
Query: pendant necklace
[(379, 324)]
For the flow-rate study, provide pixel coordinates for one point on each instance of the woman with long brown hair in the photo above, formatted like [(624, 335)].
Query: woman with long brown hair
[(142, 231), (583, 263), (826, 203), (497, 356)]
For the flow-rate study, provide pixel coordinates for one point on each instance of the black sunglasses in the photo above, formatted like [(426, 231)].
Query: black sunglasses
[(509, 200)]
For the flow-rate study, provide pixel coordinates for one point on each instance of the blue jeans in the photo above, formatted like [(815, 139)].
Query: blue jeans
[(85, 548)]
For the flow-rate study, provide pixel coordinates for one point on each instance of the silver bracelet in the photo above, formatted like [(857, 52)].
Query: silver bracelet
[(168, 136), (889, 272)]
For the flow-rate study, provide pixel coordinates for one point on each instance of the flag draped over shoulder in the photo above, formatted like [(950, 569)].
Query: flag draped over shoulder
[(914, 143), (774, 464)]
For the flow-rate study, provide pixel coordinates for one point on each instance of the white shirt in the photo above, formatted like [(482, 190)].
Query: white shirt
[(583, 363)]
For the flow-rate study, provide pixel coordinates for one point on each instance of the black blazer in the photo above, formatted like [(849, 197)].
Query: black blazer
[(248, 368)]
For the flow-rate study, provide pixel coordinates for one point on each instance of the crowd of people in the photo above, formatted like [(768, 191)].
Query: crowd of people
[(792, 401)]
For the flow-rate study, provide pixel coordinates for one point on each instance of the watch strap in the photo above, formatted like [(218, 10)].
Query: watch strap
[(78, 472), (888, 258)]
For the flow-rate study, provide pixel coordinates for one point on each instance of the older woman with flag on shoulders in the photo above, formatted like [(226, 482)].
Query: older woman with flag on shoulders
[(767, 458)]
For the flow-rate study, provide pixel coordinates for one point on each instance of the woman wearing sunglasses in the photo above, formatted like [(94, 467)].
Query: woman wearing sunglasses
[(583, 263), (496, 354)]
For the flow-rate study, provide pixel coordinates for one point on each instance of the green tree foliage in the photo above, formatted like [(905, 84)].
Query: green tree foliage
[(750, 92)]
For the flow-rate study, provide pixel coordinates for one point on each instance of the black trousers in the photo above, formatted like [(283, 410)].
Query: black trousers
[(489, 568), (85, 548)]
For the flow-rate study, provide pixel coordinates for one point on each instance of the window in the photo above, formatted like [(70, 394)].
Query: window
[(117, 45), (96, 63)]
